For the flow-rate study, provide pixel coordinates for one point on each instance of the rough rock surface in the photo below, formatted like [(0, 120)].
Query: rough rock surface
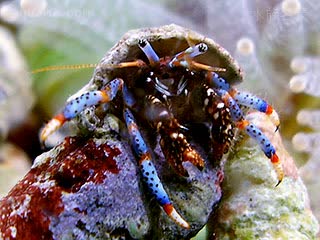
[(252, 207), (91, 188)]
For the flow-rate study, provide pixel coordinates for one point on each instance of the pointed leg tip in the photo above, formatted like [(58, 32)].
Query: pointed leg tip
[(175, 216), (186, 226), (274, 118), (53, 125), (181, 222), (279, 181), (42, 138)]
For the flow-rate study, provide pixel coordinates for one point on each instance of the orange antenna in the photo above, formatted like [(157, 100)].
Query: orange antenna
[(64, 67), (136, 63)]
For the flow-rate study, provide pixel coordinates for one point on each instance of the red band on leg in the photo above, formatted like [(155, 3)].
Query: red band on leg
[(269, 110), (275, 158), (168, 208)]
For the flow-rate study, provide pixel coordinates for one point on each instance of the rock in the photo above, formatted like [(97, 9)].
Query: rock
[(91, 188), (252, 207), (99, 163)]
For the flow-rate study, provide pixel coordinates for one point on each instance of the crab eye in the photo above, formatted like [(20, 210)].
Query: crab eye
[(148, 51), (202, 47), (142, 42)]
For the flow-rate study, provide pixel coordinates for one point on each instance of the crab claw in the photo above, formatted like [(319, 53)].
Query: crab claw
[(177, 150)]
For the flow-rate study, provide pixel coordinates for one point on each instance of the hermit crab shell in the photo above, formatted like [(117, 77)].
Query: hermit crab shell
[(167, 40)]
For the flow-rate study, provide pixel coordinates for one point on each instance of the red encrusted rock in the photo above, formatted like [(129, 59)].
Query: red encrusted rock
[(91, 188), (37, 198)]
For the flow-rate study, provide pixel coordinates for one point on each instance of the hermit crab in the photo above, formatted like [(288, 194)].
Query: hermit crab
[(167, 80)]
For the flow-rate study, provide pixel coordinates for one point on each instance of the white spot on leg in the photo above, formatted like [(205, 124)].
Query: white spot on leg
[(174, 135), (209, 92), (206, 101), (220, 105), (13, 231)]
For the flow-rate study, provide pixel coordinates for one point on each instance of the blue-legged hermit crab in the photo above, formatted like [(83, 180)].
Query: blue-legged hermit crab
[(166, 80)]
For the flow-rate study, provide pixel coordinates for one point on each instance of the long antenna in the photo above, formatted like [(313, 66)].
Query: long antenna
[(64, 67), (136, 63)]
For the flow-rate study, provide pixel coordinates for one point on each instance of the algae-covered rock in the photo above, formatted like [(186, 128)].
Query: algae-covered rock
[(252, 207)]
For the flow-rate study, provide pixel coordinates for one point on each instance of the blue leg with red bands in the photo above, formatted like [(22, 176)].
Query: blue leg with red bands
[(253, 102), (128, 98), (218, 82), (266, 146), (148, 170), (244, 98), (78, 104), (254, 132), (235, 111), (249, 100)]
